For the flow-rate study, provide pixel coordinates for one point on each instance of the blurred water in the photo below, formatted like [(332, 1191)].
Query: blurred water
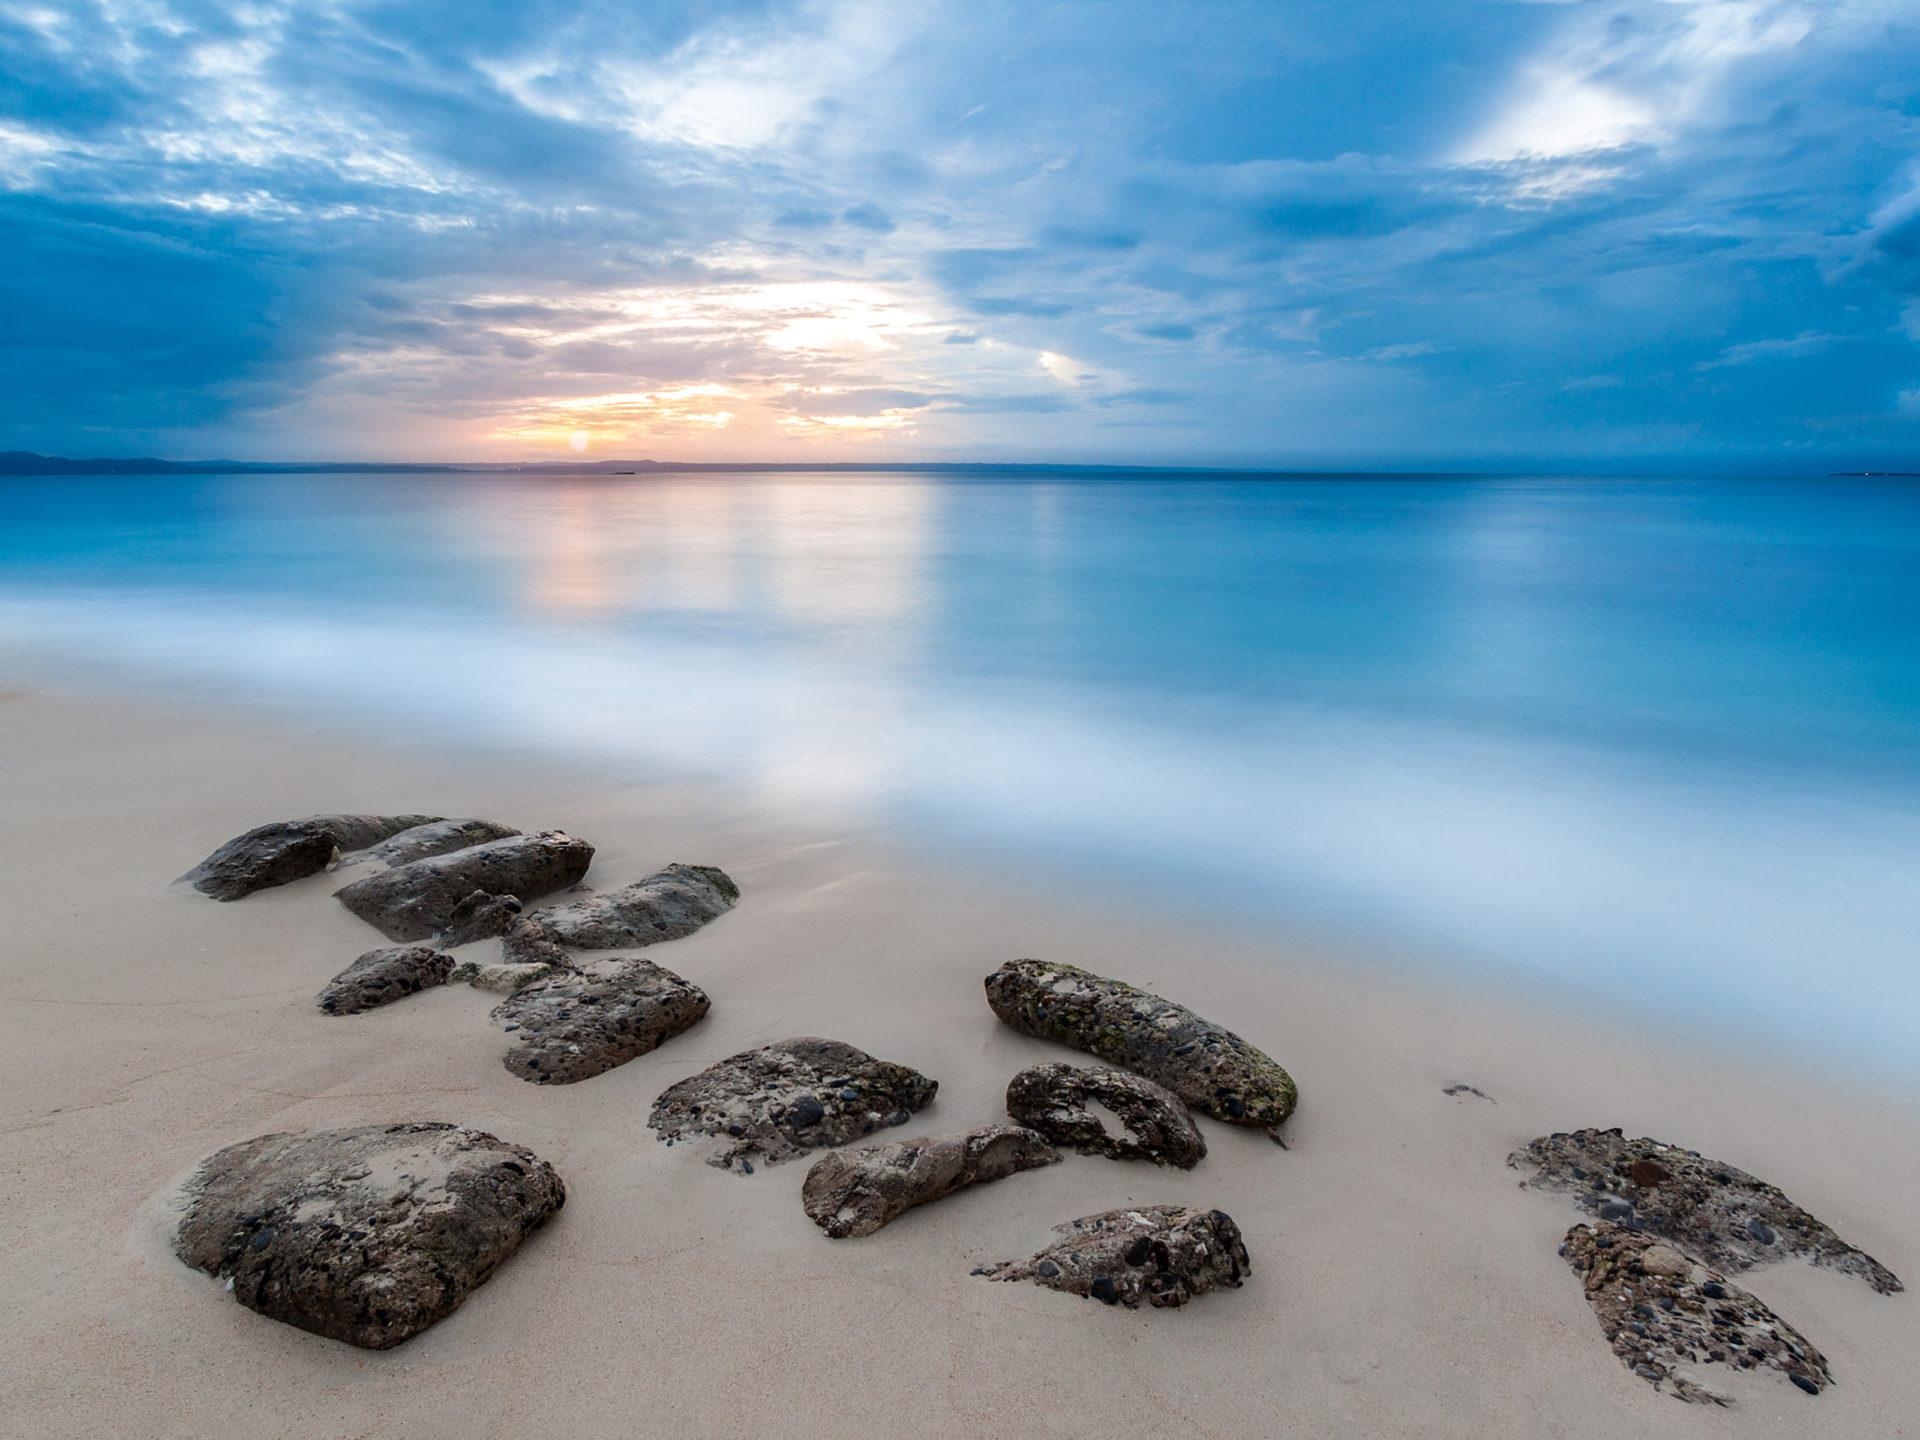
[(1653, 744)]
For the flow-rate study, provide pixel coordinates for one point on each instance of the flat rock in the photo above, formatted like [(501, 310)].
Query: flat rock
[(436, 837), (1706, 1207), (1206, 1065), (504, 979), (855, 1192), (287, 850), (666, 905), (576, 1024), (368, 1235), (380, 977), (785, 1099), (1069, 1106), (1659, 1310), (418, 900), (1161, 1255)]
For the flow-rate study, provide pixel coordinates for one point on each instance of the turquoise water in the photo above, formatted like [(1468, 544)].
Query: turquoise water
[(1651, 744)]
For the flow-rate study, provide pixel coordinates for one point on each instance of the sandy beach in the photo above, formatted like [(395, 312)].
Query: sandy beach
[(1403, 1284)]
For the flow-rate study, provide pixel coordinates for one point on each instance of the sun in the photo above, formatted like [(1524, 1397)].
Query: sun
[(578, 440)]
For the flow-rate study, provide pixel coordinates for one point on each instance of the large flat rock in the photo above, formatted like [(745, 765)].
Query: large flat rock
[(787, 1098), (367, 1235), (666, 905), (857, 1191), (1159, 1255), (288, 850), (1205, 1064), (418, 900), (576, 1024)]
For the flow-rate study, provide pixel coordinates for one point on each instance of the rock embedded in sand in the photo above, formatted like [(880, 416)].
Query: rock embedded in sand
[(418, 900), (1064, 1103), (288, 850), (787, 1098), (850, 1193), (576, 1024), (368, 1235), (380, 977), (1206, 1065), (506, 979), (436, 837), (1709, 1208), (673, 902), (479, 917), (1659, 1309), (529, 942), (1161, 1255)]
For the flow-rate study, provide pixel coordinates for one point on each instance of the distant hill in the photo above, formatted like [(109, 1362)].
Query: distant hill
[(26, 462)]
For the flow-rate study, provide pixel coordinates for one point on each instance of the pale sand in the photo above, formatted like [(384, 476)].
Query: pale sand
[(1403, 1285)]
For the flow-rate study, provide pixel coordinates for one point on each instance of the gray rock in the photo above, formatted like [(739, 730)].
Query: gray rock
[(574, 1025), (507, 979), (286, 850), (417, 900), (1660, 1310), (437, 837), (479, 917), (1065, 1104), (1707, 1207), (1161, 1255), (380, 977), (785, 1099), (855, 1192), (1206, 1065), (368, 1235), (674, 902), (528, 941)]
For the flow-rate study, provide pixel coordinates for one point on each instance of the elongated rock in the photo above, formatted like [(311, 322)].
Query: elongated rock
[(437, 837), (576, 1024), (1707, 1207), (380, 977), (855, 1192), (1659, 1309), (368, 1235), (673, 902), (1160, 1255), (787, 1098), (287, 850), (1064, 1103), (418, 900), (1206, 1065)]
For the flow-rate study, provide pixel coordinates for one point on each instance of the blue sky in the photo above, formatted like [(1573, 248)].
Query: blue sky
[(1286, 233)]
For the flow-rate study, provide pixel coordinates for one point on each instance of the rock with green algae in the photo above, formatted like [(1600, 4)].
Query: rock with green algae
[(367, 1235), (1069, 1106), (288, 850), (1206, 1065), (1707, 1207), (1159, 1255), (854, 1192), (787, 1098), (1661, 1310)]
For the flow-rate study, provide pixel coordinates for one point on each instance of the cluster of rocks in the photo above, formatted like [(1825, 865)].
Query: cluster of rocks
[(1665, 1217)]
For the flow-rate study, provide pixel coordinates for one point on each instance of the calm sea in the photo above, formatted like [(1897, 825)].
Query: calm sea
[(1653, 745)]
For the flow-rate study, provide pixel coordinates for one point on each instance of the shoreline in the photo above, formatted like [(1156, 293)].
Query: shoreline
[(1402, 1284)]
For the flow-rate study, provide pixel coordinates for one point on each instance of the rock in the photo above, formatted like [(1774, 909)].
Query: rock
[(1161, 1255), (479, 917), (368, 1235), (1659, 1310), (665, 906), (574, 1025), (787, 1098), (1059, 1101), (417, 900), (1211, 1068), (285, 850), (380, 977), (855, 1192), (436, 837), (1460, 1088), (528, 941), (1708, 1208), (507, 979)]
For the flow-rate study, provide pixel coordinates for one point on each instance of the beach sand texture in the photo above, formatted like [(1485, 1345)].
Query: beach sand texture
[(1403, 1284)]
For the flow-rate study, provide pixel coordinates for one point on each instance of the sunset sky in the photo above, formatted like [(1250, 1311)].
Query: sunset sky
[(1284, 233)]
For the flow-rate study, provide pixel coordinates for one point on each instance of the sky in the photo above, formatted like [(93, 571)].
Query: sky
[(1352, 234)]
